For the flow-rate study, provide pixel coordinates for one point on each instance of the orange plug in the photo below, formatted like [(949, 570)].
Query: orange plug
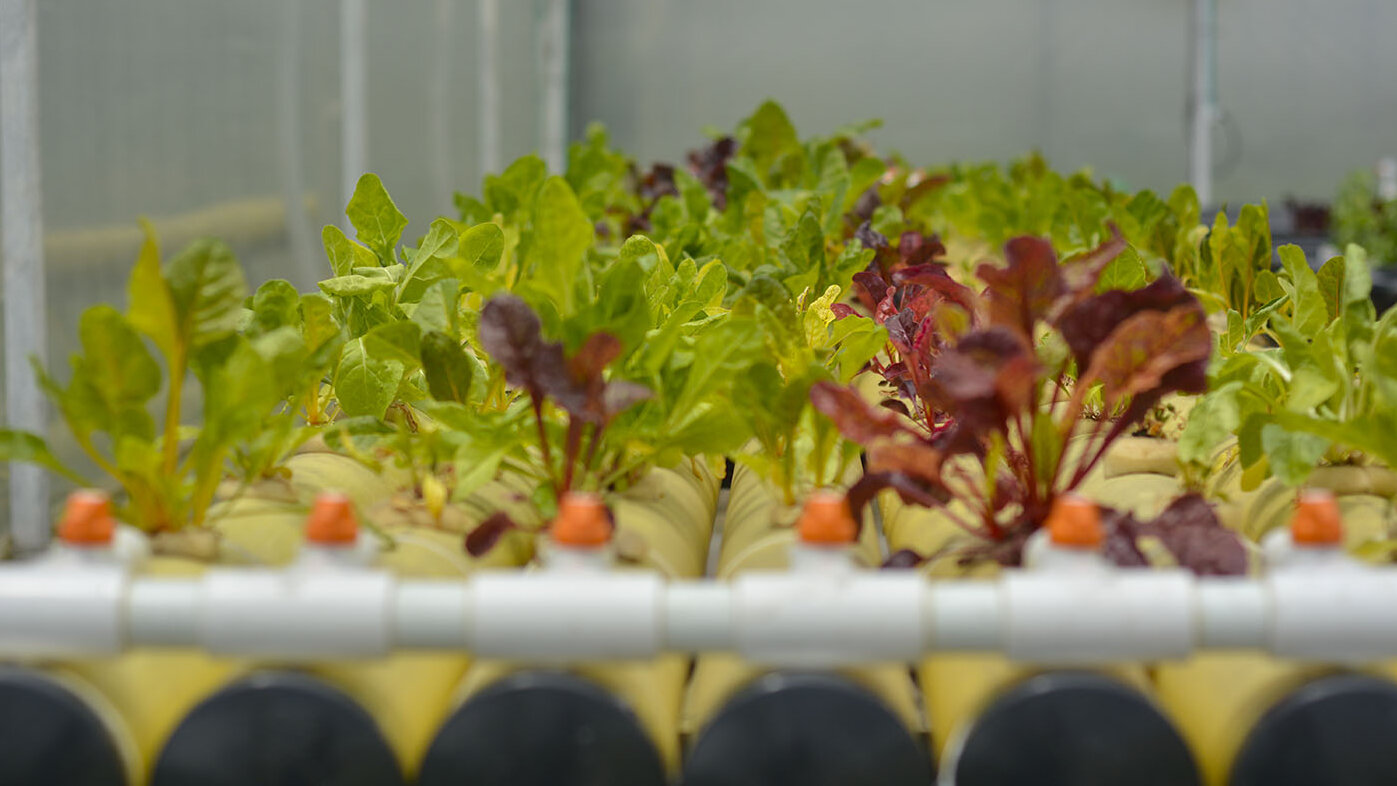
[(1075, 522), (826, 520), (1316, 521), (87, 519), (332, 520), (582, 521)]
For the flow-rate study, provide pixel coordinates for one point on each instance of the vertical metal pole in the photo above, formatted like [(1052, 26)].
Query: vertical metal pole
[(488, 100), (1203, 98), (22, 223), (553, 34), (443, 171), (293, 175), (354, 102)]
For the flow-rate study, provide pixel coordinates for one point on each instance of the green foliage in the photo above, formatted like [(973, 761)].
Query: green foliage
[(1325, 394), (1361, 217)]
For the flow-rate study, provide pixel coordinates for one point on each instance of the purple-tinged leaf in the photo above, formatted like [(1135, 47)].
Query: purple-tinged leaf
[(1023, 292), (484, 537), (903, 559)]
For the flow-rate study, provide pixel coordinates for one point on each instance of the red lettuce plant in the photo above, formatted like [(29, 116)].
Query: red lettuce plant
[(1001, 395)]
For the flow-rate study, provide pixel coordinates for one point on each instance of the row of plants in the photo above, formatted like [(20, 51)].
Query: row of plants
[(980, 333)]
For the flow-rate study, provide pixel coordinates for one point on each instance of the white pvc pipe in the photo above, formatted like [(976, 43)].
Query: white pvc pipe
[(698, 616), (553, 52), (354, 101), (70, 605), (432, 615), (164, 613), (487, 100), (22, 225)]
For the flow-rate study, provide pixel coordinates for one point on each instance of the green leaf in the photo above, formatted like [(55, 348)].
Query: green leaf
[(378, 222), (1292, 455), (207, 289), (1330, 280), (365, 384), (275, 304), (30, 448), (355, 285), (437, 310), (115, 359), (1358, 276), (447, 368), (1127, 272), (344, 254), (317, 320), (151, 309), (442, 240), (561, 236), (398, 341), (1310, 313), (1310, 387), (482, 246), (1212, 420)]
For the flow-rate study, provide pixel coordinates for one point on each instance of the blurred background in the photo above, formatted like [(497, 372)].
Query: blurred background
[(246, 120)]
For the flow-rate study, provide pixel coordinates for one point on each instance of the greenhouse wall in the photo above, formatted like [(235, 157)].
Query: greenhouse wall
[(992, 79)]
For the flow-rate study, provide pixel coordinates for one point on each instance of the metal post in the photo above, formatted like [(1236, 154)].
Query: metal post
[(22, 223), (1203, 98), (553, 33), (289, 129), (443, 172), (354, 103), (488, 100)]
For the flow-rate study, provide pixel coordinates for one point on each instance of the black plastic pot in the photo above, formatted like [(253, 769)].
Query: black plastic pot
[(806, 730), (50, 737), (277, 729), (1339, 731), (542, 729), (1071, 729)]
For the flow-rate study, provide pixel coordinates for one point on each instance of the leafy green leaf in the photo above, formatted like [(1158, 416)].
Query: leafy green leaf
[(561, 236), (31, 448), (365, 384), (151, 309), (376, 219), (207, 289), (482, 246), (1292, 455), (447, 368), (345, 255)]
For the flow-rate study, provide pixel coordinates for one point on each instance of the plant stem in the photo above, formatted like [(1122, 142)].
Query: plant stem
[(172, 410)]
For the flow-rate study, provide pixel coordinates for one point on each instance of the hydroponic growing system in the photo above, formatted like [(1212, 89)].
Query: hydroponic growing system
[(793, 463)]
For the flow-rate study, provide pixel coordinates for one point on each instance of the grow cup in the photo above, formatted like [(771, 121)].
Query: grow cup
[(1252, 718), (753, 724), (604, 722), (997, 722)]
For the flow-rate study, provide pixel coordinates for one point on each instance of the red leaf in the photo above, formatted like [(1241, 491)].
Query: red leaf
[(1085, 323), (484, 537), (855, 418), (1023, 291), (1191, 531), (1144, 348)]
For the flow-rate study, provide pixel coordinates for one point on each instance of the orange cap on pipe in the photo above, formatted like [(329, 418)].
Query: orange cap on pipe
[(1075, 521), (87, 519), (827, 520), (332, 520), (582, 521), (1316, 521)]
